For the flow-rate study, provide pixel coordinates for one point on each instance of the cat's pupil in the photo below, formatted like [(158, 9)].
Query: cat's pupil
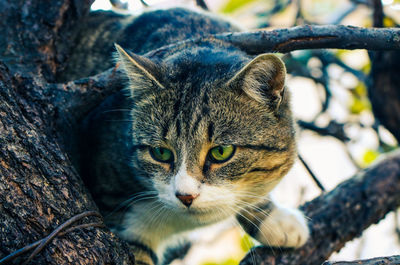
[(161, 151), (221, 150)]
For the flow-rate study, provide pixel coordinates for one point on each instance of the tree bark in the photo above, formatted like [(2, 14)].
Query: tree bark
[(341, 215), (308, 37), (39, 187), (376, 261)]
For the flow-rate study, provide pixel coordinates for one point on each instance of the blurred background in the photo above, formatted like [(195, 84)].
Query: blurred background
[(338, 134)]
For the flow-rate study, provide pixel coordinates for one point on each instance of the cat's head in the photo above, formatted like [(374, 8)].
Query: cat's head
[(212, 129)]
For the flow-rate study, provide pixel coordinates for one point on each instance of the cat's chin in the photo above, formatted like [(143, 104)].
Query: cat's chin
[(203, 216)]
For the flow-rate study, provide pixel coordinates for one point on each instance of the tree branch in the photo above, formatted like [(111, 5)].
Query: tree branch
[(202, 4), (75, 99), (305, 37), (342, 214), (374, 261)]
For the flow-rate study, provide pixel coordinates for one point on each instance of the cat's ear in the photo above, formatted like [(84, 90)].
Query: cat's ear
[(262, 79), (142, 72)]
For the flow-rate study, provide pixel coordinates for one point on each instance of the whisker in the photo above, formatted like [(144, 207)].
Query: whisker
[(252, 255), (126, 203), (251, 222)]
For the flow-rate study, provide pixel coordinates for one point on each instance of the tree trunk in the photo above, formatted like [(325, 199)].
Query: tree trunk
[(39, 187)]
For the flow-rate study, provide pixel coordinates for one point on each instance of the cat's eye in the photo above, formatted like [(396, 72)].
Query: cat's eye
[(221, 153), (161, 154)]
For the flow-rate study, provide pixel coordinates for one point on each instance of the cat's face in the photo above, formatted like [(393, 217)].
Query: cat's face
[(210, 147)]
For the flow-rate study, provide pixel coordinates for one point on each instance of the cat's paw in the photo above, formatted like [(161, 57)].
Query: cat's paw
[(284, 227)]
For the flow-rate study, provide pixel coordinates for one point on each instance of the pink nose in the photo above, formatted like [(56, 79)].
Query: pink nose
[(186, 199)]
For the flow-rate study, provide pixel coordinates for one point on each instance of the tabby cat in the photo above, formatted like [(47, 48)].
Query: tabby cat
[(202, 132)]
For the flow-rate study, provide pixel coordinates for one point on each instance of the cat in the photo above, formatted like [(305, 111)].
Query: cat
[(202, 132)]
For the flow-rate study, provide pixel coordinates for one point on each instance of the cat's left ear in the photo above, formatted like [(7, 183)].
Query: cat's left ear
[(263, 79), (141, 71)]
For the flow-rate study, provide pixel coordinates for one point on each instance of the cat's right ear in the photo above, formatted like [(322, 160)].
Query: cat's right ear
[(262, 79), (142, 72)]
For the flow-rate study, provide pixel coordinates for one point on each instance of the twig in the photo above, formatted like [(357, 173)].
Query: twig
[(344, 14), (144, 3), (118, 4), (40, 244), (53, 234), (313, 176), (333, 129), (278, 6), (378, 13), (88, 225), (202, 4), (361, 2)]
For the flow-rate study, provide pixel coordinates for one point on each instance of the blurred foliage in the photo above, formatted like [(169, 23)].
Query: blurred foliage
[(369, 157), (227, 262), (359, 101), (389, 22), (246, 243), (233, 5)]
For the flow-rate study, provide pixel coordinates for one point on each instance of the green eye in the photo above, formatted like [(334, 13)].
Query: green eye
[(222, 153), (161, 154)]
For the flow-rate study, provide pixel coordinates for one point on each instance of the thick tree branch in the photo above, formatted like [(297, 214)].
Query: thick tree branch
[(306, 37), (342, 214), (75, 98), (375, 261)]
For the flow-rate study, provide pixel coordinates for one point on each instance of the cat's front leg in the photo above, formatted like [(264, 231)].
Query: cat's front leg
[(275, 225), (143, 254)]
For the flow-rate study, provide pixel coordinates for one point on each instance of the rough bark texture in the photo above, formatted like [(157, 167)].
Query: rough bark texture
[(342, 214), (40, 188), (311, 37), (35, 35), (376, 261)]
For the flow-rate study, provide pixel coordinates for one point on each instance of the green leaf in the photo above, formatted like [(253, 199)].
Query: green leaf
[(369, 157), (246, 243), (233, 5), (361, 89), (358, 105), (229, 261)]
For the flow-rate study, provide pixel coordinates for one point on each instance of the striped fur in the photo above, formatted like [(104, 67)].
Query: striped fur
[(190, 99)]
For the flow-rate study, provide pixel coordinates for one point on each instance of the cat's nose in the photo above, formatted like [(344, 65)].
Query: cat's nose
[(186, 199)]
